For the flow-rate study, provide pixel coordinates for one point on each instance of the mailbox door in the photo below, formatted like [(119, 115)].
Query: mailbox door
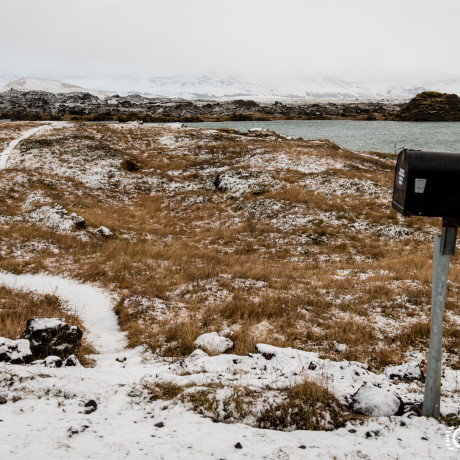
[(400, 184)]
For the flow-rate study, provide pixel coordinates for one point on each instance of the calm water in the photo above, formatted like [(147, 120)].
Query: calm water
[(379, 136)]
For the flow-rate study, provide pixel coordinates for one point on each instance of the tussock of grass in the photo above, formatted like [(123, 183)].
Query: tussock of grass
[(306, 405)]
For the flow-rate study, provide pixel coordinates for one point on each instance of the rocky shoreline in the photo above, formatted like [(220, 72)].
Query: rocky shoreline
[(41, 105)]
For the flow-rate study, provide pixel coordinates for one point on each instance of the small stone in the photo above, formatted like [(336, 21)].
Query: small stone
[(402, 423), (3, 400), (104, 232), (424, 438), (71, 361), (52, 361), (238, 445), (312, 366), (352, 430), (121, 359), (90, 406), (159, 425), (302, 447)]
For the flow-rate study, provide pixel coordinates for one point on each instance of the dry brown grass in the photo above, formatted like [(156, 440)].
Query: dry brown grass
[(168, 238)]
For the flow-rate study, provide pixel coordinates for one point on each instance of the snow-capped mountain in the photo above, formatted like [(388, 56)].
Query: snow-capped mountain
[(187, 87), (230, 87), (46, 84)]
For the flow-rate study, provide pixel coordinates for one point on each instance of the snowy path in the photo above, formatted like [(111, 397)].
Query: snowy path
[(93, 305), (44, 417), (4, 156)]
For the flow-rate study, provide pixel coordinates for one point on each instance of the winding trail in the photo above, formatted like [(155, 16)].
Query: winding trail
[(4, 156), (93, 305)]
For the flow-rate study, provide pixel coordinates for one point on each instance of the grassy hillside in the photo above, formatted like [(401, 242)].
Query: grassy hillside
[(288, 242)]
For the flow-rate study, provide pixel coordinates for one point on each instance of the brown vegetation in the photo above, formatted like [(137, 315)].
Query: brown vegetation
[(300, 248)]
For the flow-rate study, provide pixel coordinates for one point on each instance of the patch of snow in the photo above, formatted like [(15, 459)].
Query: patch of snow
[(406, 371), (213, 343), (375, 401)]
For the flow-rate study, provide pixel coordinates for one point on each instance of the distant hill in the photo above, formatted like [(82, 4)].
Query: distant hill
[(48, 85), (193, 87), (431, 106)]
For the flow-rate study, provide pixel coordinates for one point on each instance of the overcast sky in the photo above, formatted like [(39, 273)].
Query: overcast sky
[(351, 39)]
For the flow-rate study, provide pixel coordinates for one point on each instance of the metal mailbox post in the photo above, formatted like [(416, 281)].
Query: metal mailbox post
[(428, 184)]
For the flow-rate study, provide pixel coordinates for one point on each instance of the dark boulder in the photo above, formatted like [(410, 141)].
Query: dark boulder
[(51, 336)]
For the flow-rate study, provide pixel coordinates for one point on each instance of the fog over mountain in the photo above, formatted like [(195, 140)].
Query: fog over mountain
[(230, 87)]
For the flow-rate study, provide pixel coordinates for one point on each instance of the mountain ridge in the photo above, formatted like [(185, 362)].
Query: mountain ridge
[(230, 87)]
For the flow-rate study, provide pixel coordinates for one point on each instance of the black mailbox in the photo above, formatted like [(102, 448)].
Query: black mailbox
[(427, 184)]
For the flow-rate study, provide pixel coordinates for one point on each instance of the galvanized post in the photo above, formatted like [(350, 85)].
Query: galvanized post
[(444, 247)]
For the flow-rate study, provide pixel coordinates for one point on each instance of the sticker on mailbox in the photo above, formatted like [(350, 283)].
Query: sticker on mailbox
[(401, 175), (420, 185)]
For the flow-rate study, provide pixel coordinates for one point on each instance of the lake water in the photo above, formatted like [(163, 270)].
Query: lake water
[(378, 136)]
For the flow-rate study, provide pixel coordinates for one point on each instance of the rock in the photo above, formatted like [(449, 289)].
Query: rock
[(375, 401), (238, 445), (90, 406), (71, 361), (56, 218), (51, 336), (53, 361), (15, 351), (198, 354), (213, 343), (406, 371), (340, 347), (49, 361), (159, 425), (78, 221), (104, 232), (3, 400), (431, 106)]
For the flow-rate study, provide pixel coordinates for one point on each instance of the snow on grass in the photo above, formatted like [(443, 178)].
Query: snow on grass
[(129, 423)]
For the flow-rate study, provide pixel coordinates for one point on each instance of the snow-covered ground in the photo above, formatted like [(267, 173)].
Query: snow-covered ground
[(46, 412), (46, 417)]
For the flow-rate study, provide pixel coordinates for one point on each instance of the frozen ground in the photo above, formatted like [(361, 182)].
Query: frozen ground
[(45, 417), (287, 205)]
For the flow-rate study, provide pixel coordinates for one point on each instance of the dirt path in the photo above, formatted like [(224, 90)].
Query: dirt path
[(4, 156)]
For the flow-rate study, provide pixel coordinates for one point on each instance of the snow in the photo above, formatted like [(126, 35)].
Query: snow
[(45, 323), (372, 400), (92, 304), (46, 84), (409, 371), (15, 350), (49, 418), (213, 343)]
